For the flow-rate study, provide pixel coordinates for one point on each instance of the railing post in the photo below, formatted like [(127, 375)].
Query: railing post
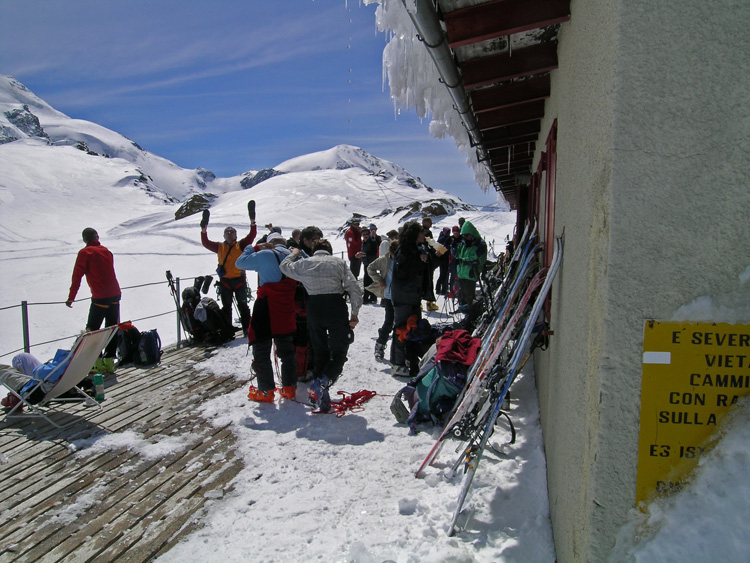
[(25, 323), (179, 324)]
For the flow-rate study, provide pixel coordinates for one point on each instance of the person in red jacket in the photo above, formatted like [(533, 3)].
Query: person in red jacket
[(274, 321), (98, 265), (353, 239), (232, 281)]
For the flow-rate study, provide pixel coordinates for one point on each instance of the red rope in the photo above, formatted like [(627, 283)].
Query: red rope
[(351, 402)]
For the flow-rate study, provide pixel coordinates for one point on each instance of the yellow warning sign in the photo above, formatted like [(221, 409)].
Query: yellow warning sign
[(692, 374)]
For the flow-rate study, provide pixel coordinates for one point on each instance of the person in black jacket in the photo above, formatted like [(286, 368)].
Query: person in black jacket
[(293, 241), (308, 238), (432, 264), (409, 266), (444, 238)]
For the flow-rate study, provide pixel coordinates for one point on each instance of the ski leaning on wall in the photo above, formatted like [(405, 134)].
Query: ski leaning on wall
[(507, 343), (495, 334), (501, 297), (472, 455)]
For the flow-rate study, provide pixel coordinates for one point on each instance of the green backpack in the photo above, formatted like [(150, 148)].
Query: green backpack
[(430, 396)]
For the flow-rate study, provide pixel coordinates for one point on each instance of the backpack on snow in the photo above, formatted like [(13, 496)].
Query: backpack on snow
[(149, 349), (431, 395), (128, 338), (190, 298)]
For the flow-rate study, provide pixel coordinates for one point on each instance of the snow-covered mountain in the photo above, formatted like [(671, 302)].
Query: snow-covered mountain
[(41, 135), (344, 157), (24, 116)]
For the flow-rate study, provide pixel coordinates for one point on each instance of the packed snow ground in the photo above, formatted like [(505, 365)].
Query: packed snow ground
[(322, 488)]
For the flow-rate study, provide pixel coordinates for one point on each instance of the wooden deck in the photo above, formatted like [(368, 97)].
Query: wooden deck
[(115, 505)]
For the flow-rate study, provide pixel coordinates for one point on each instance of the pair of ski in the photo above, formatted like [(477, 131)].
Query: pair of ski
[(503, 374), (497, 344), (498, 334), (496, 296), (495, 341), (185, 320), (488, 356), (518, 271)]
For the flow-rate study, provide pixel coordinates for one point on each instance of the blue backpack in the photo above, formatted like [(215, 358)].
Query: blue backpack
[(149, 349)]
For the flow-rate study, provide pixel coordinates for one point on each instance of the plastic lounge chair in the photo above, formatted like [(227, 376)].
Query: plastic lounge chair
[(65, 377)]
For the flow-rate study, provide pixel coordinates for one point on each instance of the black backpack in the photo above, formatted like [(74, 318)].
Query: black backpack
[(217, 328), (128, 338), (149, 349)]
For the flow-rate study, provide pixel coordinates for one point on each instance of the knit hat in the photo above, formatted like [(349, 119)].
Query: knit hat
[(456, 229), (274, 236)]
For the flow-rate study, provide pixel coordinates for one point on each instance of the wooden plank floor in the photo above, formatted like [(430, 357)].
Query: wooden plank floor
[(57, 504)]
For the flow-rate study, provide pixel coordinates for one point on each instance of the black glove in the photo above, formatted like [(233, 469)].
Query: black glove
[(251, 209), (204, 221)]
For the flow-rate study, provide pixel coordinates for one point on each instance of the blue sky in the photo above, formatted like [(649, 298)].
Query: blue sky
[(226, 85)]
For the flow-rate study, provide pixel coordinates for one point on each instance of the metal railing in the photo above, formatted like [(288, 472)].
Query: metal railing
[(25, 305)]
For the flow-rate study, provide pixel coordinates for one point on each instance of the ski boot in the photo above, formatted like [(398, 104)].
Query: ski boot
[(318, 395)]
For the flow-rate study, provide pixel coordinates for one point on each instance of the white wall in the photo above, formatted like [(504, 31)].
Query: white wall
[(653, 192)]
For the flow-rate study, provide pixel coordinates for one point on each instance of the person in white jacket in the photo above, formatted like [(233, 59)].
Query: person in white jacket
[(326, 279), (381, 273)]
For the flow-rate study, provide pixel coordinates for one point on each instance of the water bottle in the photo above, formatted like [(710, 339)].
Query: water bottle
[(98, 387)]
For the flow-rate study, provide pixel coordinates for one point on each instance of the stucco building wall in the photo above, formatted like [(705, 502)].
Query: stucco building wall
[(653, 193)]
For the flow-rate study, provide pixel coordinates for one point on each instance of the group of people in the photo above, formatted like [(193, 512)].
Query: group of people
[(403, 278), (308, 300), (301, 281)]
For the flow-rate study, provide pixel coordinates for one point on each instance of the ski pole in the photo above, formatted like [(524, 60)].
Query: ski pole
[(174, 290), (184, 322)]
